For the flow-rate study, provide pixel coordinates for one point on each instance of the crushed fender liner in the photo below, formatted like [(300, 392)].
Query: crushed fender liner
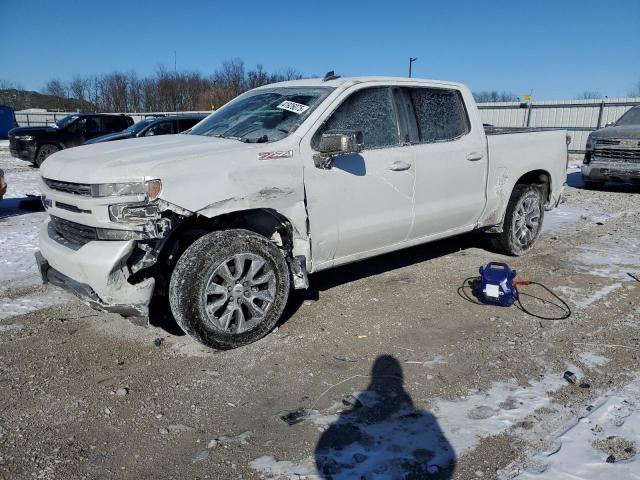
[(85, 293)]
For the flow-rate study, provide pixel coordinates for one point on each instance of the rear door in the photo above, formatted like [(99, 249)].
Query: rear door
[(450, 161)]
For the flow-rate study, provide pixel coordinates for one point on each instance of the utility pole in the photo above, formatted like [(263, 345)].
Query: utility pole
[(175, 61), (411, 60)]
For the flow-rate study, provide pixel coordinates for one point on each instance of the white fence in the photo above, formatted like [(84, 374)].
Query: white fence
[(578, 116)]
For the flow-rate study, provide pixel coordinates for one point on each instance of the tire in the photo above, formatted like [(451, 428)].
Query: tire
[(43, 152), (211, 301), (591, 184), (522, 221)]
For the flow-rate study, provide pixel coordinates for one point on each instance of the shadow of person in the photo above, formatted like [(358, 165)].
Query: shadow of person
[(383, 435)]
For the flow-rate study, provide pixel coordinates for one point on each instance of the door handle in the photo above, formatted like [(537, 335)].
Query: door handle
[(474, 156), (399, 165)]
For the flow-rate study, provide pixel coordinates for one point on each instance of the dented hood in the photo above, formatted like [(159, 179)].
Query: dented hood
[(197, 172), (137, 157)]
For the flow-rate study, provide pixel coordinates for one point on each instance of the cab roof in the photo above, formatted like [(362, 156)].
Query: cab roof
[(348, 81)]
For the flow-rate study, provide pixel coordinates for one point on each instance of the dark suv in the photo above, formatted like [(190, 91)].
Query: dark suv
[(161, 125), (35, 144)]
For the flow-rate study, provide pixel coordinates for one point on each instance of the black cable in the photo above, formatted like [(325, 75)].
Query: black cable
[(566, 315)]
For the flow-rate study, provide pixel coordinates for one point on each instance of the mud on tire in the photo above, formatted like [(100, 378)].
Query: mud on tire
[(229, 288), (522, 221)]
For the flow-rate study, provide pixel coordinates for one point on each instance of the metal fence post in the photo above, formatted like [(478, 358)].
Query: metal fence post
[(600, 112)]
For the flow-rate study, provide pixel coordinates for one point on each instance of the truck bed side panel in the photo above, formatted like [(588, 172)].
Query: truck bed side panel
[(513, 155)]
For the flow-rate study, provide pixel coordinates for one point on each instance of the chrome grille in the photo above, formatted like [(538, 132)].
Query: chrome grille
[(69, 187), (607, 141), (74, 232), (618, 154)]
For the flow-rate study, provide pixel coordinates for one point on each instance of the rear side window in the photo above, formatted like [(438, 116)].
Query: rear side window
[(186, 123), (114, 124), (440, 114), (369, 111)]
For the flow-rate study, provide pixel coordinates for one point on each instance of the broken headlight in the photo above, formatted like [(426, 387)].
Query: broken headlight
[(150, 188), (135, 213)]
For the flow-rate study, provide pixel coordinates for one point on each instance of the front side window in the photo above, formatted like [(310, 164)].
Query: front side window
[(440, 114), (263, 115), (369, 111), (161, 128)]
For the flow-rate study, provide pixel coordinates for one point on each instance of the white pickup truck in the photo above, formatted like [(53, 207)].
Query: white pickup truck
[(285, 180)]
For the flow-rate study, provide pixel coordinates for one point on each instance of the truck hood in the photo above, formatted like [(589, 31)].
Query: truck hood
[(31, 130), (140, 158), (622, 131), (109, 137)]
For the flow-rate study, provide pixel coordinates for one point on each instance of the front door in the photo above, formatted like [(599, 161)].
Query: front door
[(364, 202)]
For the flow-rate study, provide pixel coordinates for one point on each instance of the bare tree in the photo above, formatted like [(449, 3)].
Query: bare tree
[(635, 91), (165, 90), (589, 95), (495, 96)]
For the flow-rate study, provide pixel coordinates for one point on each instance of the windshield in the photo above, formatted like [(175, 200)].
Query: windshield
[(64, 121), (138, 126), (264, 115), (632, 117)]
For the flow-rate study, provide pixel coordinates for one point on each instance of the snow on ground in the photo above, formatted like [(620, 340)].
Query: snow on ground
[(600, 446), (19, 241), (390, 447)]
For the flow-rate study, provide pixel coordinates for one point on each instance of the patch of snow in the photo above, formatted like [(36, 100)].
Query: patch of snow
[(576, 456), (597, 295), (18, 243), (437, 360), (30, 303), (384, 448), (466, 422), (592, 360), (610, 260)]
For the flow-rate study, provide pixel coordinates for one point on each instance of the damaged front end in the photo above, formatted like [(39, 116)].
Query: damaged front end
[(110, 269)]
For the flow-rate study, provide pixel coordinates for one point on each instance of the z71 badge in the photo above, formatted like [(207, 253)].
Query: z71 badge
[(275, 155)]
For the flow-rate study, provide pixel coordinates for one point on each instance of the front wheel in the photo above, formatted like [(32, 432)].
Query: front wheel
[(522, 221), (229, 288), (45, 151)]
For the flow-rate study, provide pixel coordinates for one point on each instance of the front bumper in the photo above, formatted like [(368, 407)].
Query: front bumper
[(22, 150), (97, 273), (627, 172)]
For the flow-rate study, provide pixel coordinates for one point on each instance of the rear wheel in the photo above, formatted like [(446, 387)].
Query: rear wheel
[(522, 221), (229, 288), (44, 151)]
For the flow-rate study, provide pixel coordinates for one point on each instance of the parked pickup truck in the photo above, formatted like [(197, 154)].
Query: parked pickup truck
[(613, 152), (35, 144), (286, 180)]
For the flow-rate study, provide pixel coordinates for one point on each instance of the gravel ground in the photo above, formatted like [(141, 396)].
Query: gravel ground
[(370, 353)]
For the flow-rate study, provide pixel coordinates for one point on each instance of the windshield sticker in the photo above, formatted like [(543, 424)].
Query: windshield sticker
[(293, 107), (275, 155)]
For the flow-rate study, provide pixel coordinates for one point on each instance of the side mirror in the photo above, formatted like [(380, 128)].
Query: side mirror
[(334, 144), (610, 124)]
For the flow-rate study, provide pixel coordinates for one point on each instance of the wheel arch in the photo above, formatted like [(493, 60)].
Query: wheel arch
[(266, 222), (538, 177)]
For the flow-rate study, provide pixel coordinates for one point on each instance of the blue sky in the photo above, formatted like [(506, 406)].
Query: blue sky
[(556, 48)]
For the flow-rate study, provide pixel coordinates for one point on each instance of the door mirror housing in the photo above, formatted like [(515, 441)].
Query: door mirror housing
[(610, 124), (334, 144)]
